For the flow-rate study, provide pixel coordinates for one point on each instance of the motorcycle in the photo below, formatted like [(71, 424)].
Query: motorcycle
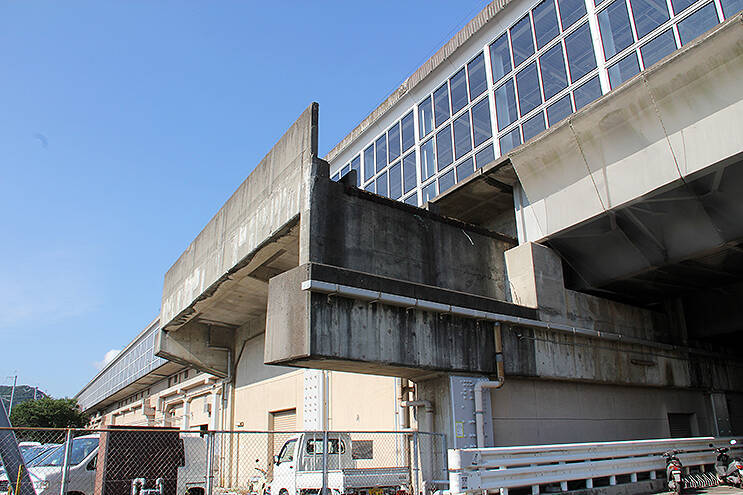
[(258, 483), (673, 471), (729, 470)]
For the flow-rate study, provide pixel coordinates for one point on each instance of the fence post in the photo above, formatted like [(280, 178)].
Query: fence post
[(325, 462), (66, 463), (209, 462), (415, 462)]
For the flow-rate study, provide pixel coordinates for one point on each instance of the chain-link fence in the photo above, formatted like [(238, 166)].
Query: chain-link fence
[(161, 461)]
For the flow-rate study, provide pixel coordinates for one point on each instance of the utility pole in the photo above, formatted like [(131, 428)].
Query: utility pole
[(12, 393)]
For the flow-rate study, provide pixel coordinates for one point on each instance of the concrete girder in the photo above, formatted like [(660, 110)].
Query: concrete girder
[(673, 120)]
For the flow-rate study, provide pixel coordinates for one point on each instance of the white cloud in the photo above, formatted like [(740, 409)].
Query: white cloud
[(107, 358)]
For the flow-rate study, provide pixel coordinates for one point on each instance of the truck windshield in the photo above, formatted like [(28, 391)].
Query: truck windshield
[(314, 446), (81, 447)]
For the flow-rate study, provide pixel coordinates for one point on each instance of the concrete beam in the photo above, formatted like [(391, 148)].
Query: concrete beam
[(259, 213), (676, 118), (197, 345), (340, 332)]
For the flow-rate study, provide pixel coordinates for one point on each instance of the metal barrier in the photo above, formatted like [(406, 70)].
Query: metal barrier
[(501, 468), (168, 461)]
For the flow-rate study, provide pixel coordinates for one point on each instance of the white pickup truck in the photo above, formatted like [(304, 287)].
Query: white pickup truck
[(46, 473), (298, 469)]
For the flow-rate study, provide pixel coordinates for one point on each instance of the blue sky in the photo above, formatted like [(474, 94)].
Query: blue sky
[(124, 126)]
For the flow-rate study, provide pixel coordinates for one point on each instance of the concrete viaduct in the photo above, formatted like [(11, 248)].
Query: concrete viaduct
[(607, 251)]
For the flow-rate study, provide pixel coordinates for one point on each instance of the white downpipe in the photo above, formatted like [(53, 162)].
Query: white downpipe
[(479, 420)]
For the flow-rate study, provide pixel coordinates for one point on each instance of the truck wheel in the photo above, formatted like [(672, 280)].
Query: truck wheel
[(195, 491), (283, 491)]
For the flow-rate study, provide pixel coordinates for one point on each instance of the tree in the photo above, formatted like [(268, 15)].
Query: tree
[(48, 413)]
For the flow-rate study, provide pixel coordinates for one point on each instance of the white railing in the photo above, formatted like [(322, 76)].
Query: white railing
[(475, 470)]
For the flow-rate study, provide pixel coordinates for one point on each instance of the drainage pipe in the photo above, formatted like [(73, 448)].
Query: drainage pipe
[(480, 387), (428, 407)]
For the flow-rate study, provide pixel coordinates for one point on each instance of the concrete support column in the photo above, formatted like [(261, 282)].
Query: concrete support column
[(721, 414)]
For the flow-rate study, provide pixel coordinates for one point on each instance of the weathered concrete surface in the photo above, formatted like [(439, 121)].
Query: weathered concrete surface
[(262, 208), (536, 281), (221, 280), (676, 118), (363, 232), (319, 331)]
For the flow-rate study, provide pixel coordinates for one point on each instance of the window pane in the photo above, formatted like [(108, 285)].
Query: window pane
[(395, 181), (425, 117), (658, 48), (458, 84), (393, 142), (476, 72), (505, 105), (581, 57), (484, 156), (500, 58), (370, 187), (648, 14), (408, 172), (731, 7), (408, 132), (465, 169), (345, 169), (554, 78), (446, 181), (679, 5), (336, 176), (368, 163), (428, 192), (381, 147), (559, 110), (510, 141), (428, 164), (545, 22), (587, 92), (443, 147), (412, 199), (527, 84), (533, 126), (481, 125), (616, 34), (571, 11), (441, 104), (697, 23), (382, 184), (522, 41), (462, 136), (623, 70), (356, 165)]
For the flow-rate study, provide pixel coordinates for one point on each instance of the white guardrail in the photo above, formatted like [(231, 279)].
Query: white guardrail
[(475, 470)]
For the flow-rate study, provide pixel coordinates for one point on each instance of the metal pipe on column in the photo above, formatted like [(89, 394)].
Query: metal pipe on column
[(493, 384)]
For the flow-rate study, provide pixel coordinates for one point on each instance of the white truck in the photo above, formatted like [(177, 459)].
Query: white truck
[(298, 469), (46, 473)]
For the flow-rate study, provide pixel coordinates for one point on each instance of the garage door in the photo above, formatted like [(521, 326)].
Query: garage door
[(281, 421)]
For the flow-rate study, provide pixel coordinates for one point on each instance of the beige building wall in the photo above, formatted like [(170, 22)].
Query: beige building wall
[(362, 402)]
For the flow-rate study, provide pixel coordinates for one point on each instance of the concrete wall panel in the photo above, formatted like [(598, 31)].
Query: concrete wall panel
[(542, 412)]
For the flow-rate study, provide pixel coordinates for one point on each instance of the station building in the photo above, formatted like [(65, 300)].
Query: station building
[(544, 216), (137, 388)]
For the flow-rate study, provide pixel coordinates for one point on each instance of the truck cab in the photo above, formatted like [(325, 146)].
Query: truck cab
[(298, 469)]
